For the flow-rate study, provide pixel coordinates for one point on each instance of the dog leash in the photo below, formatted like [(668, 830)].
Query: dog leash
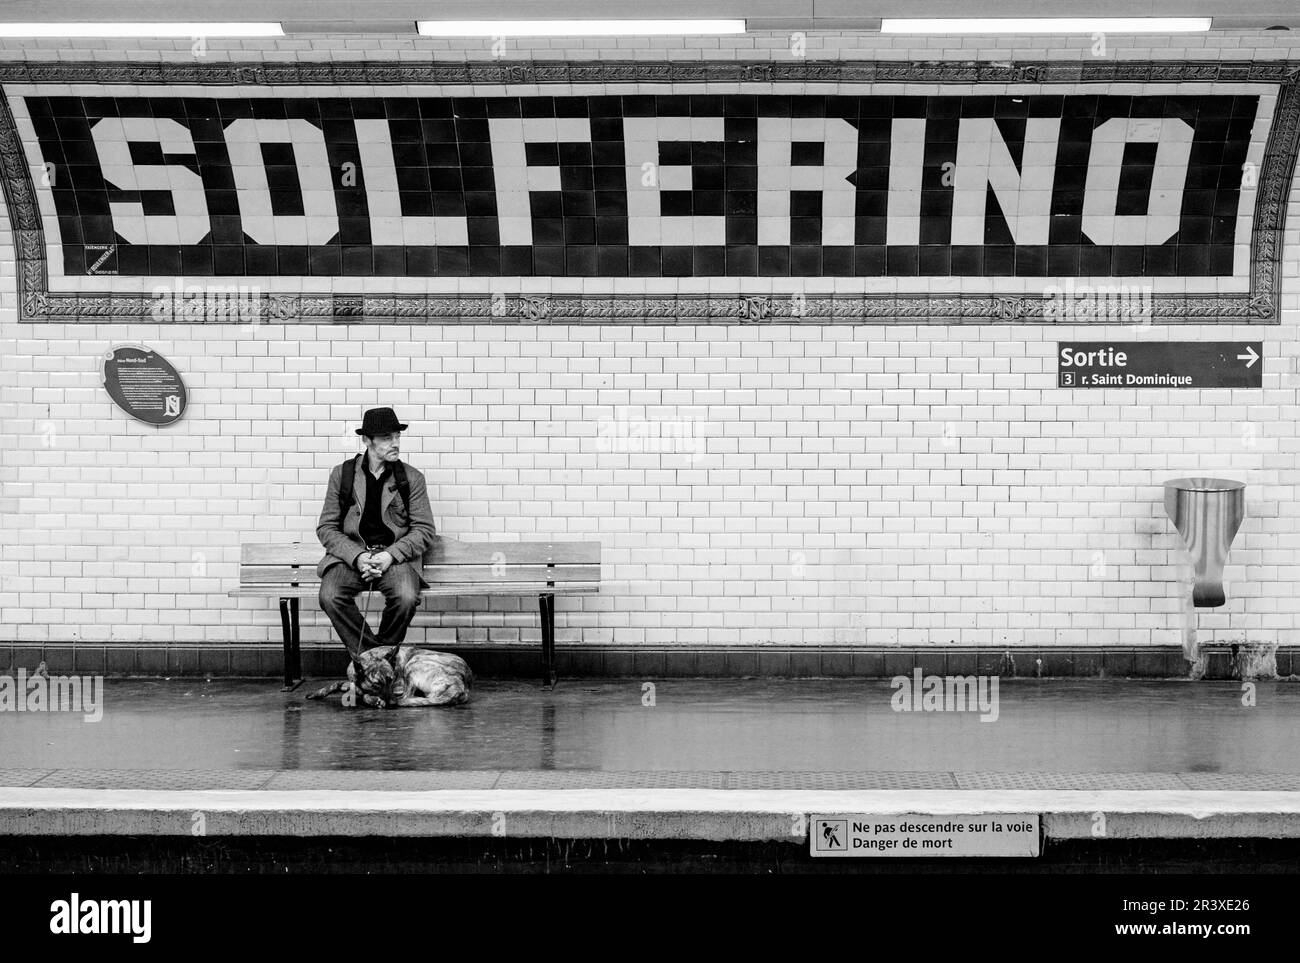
[(392, 656), (370, 590)]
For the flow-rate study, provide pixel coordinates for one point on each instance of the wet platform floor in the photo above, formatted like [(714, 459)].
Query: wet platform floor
[(699, 734)]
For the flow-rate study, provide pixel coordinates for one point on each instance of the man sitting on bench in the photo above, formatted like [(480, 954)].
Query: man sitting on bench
[(375, 525)]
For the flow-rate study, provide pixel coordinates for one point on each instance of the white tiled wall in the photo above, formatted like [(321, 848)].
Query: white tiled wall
[(839, 484)]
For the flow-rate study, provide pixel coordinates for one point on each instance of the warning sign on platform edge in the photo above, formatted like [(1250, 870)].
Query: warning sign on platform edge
[(895, 835)]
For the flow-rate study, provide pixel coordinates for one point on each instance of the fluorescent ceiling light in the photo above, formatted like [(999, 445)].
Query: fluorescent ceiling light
[(575, 28), (64, 30), (1050, 25)]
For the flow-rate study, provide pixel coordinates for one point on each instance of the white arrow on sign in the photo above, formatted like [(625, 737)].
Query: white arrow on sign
[(1250, 357)]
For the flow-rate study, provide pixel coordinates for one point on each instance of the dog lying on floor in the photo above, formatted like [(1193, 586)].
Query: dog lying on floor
[(409, 677)]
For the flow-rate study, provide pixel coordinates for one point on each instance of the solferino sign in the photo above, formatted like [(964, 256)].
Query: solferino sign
[(639, 191)]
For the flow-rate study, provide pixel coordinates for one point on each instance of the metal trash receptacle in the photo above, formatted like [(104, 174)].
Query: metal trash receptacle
[(1207, 513)]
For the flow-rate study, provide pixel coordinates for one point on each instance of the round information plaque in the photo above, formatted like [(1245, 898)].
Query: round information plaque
[(144, 384)]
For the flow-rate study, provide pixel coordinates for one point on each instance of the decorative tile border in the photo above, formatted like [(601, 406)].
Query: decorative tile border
[(1259, 306)]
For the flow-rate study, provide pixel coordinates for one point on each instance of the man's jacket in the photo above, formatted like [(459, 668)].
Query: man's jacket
[(413, 528)]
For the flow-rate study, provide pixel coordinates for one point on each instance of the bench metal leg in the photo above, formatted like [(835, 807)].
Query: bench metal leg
[(297, 647), (292, 657), (546, 602)]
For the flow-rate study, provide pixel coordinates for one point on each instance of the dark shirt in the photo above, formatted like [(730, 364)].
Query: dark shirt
[(373, 530)]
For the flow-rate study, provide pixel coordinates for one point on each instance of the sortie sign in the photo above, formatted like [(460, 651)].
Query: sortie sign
[(1163, 364)]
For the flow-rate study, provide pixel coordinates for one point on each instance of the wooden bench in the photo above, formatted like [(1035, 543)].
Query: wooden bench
[(287, 571)]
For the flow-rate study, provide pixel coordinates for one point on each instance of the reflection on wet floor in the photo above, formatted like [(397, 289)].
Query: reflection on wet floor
[(1111, 726)]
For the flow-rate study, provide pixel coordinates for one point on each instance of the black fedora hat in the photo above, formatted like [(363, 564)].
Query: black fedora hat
[(380, 421)]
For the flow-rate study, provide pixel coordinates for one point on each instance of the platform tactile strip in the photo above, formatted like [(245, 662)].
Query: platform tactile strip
[(381, 781), (1066, 781), (841, 780), (600, 779), (22, 777), (1243, 781), (374, 780), (157, 779)]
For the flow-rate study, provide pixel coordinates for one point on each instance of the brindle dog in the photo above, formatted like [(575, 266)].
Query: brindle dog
[(398, 677)]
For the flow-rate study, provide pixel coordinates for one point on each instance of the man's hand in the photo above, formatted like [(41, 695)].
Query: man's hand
[(380, 562), (366, 565)]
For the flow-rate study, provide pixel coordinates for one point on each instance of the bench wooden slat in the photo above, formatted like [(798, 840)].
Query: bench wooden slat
[(518, 588), (451, 551), (282, 553), (447, 551), (282, 574)]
